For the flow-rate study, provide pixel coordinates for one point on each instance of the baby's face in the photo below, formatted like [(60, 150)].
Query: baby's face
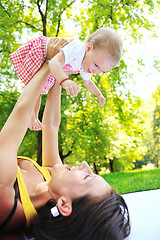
[(96, 60)]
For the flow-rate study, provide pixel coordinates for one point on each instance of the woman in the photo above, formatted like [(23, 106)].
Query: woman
[(57, 202)]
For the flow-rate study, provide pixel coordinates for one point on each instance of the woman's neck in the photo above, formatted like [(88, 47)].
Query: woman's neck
[(40, 195)]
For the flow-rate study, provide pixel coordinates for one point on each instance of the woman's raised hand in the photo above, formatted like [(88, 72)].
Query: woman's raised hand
[(55, 44)]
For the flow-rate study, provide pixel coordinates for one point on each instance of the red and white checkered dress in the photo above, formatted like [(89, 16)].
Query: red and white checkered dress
[(29, 58)]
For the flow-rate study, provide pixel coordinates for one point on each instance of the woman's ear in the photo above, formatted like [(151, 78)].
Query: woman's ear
[(64, 206)]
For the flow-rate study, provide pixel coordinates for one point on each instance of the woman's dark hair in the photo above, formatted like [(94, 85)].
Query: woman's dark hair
[(107, 219)]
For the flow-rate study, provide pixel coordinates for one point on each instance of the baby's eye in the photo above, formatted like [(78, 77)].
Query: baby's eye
[(96, 65), (86, 176)]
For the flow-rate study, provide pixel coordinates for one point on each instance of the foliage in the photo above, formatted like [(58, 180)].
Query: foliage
[(7, 102), (128, 15), (109, 136), (154, 149)]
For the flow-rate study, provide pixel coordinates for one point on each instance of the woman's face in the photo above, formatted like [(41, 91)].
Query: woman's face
[(77, 182)]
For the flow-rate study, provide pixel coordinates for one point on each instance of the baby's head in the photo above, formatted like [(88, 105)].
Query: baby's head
[(106, 38)]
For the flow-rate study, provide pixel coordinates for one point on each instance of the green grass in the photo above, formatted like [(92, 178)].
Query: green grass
[(134, 181)]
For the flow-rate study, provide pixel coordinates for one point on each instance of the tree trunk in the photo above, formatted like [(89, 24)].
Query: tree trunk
[(39, 137), (111, 165), (39, 148), (95, 168), (64, 156)]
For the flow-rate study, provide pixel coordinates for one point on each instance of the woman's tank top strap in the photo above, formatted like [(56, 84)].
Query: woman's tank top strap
[(43, 170), (28, 208)]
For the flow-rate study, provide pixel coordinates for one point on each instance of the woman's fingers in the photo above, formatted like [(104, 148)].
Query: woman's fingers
[(55, 44), (66, 41)]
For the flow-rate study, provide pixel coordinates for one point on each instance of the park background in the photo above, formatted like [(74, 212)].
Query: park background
[(120, 137)]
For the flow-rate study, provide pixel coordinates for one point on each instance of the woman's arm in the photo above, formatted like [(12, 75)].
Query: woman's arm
[(51, 121), (16, 126)]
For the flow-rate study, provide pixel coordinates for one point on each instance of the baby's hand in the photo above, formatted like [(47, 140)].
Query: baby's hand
[(101, 99), (71, 87)]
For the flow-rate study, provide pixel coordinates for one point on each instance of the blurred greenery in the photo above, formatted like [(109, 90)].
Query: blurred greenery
[(120, 136)]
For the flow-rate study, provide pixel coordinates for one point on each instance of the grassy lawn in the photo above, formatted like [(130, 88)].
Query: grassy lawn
[(134, 181)]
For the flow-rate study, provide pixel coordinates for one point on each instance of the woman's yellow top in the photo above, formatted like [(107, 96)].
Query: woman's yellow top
[(29, 210)]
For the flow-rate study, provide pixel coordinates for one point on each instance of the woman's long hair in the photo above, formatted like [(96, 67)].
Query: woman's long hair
[(107, 219)]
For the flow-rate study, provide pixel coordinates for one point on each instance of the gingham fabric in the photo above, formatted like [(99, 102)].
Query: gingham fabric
[(29, 58)]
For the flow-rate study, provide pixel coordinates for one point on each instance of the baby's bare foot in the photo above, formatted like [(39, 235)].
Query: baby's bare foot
[(35, 125)]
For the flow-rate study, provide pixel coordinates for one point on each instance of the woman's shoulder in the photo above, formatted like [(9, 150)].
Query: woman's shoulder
[(24, 163), (33, 169), (29, 170)]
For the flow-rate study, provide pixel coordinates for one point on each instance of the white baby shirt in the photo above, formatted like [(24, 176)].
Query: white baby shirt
[(74, 53)]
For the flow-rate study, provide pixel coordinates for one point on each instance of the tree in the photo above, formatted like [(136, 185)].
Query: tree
[(154, 149), (92, 128), (125, 15), (108, 136)]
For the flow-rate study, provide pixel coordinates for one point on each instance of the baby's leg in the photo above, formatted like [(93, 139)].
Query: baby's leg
[(35, 124)]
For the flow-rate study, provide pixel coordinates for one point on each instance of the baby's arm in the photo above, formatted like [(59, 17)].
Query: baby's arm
[(89, 84), (56, 68)]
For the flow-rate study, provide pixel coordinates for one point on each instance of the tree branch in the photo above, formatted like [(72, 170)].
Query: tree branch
[(39, 9), (28, 24), (43, 16), (5, 10), (46, 9), (59, 17)]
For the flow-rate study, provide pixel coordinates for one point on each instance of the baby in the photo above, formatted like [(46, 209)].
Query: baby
[(99, 53)]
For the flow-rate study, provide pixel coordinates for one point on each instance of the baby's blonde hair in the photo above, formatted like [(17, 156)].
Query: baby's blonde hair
[(108, 39)]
